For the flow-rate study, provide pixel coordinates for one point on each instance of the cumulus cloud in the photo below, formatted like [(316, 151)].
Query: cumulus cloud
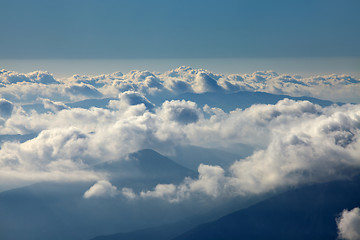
[(28, 92), (295, 142), (349, 224), (210, 182), (128, 193), (102, 188), (205, 83), (183, 112), (305, 144), (54, 155), (19, 87), (161, 191), (83, 90), (10, 77), (130, 98), (53, 106)]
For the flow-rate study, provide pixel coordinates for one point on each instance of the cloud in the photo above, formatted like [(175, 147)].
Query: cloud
[(128, 193), (25, 92), (349, 224), (10, 77), (54, 155), (295, 142), (102, 188), (26, 88), (210, 182), (205, 83), (53, 106), (305, 144), (183, 112), (83, 90), (329, 87), (160, 191), (130, 98)]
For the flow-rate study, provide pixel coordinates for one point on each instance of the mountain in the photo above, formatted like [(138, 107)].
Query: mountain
[(88, 103), (52, 210), (242, 99), (305, 213), (146, 165), (164, 232), (225, 101), (155, 165), (171, 230)]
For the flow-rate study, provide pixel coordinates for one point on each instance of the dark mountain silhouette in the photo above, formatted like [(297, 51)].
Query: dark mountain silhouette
[(171, 230), (146, 165), (225, 101), (242, 99), (58, 210), (305, 213)]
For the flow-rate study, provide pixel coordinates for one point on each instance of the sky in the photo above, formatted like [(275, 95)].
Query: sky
[(106, 29)]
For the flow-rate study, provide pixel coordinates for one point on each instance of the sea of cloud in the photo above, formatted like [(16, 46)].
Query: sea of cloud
[(19, 87), (295, 142)]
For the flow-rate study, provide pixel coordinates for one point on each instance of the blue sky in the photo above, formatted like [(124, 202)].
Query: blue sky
[(179, 29)]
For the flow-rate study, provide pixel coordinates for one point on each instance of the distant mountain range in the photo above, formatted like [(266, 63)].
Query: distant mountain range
[(223, 100), (305, 213), (52, 210), (58, 210), (242, 99)]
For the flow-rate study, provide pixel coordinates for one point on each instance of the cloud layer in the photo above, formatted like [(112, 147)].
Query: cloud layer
[(295, 142), (25, 88)]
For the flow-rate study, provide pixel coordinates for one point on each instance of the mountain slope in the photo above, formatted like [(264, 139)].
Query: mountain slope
[(242, 99), (58, 210), (146, 165), (306, 213)]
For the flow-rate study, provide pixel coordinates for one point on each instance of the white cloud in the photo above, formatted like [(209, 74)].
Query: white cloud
[(53, 106), (183, 112), (205, 83), (161, 191), (130, 98), (83, 90), (19, 87), (128, 193), (349, 224), (211, 180), (305, 144), (10, 77), (102, 188), (296, 142)]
